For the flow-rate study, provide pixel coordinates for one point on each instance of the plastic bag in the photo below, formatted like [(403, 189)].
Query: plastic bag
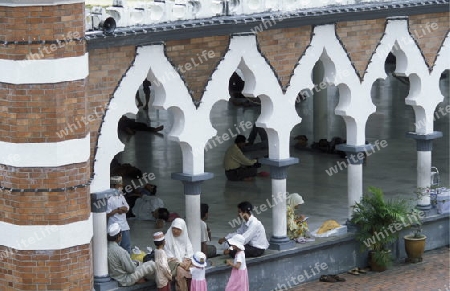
[(137, 254)]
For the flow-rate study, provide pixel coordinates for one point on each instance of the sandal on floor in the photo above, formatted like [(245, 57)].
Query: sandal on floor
[(337, 278), (353, 271), (362, 271), (327, 278)]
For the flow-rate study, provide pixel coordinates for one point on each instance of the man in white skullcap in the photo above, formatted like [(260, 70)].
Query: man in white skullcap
[(120, 266), (116, 211)]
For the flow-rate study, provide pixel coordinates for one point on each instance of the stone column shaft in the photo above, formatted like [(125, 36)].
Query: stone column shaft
[(278, 173), (424, 144), (192, 190)]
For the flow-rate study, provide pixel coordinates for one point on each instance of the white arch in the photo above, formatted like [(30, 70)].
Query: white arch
[(424, 93), (150, 59), (278, 115), (355, 105)]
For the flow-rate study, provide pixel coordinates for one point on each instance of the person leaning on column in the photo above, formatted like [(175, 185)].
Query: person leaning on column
[(120, 266)]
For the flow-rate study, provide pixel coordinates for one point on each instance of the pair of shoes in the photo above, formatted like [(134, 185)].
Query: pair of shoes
[(363, 271), (354, 271), (338, 279), (357, 271), (327, 278)]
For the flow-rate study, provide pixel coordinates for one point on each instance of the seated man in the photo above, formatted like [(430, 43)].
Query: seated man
[(252, 230), (237, 166), (120, 266), (209, 250), (147, 203)]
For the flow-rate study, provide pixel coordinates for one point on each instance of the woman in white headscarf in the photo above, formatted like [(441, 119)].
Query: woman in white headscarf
[(296, 225), (179, 251)]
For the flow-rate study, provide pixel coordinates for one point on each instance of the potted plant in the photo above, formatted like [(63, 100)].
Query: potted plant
[(378, 221), (415, 244)]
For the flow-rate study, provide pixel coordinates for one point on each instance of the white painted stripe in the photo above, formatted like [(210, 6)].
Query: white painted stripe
[(37, 71), (53, 154), (16, 3), (46, 237)]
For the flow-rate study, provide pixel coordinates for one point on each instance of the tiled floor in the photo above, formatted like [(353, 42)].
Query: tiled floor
[(392, 168)]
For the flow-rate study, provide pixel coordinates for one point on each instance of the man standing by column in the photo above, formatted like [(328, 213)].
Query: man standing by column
[(116, 211)]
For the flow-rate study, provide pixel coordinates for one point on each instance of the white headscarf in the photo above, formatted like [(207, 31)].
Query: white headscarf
[(178, 247), (293, 200)]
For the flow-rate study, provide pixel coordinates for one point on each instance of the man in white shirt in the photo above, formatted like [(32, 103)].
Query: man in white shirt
[(116, 211), (252, 230)]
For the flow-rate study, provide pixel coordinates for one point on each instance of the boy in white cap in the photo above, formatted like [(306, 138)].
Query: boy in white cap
[(120, 266), (116, 211), (163, 273)]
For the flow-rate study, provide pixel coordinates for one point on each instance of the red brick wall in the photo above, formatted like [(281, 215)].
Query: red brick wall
[(35, 113), (430, 37), (188, 53), (67, 269), (360, 38), (283, 48), (106, 68)]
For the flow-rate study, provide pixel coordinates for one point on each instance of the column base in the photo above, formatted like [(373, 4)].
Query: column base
[(281, 243), (105, 284), (423, 207)]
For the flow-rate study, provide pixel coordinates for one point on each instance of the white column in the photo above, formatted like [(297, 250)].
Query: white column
[(424, 144), (355, 186), (278, 173), (99, 245), (320, 104), (424, 177), (192, 190), (99, 202), (193, 220), (279, 207)]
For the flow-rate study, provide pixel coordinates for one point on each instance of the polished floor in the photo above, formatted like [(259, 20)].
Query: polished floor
[(393, 168)]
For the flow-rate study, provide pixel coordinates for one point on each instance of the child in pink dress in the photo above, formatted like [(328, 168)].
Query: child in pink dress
[(198, 282), (239, 276)]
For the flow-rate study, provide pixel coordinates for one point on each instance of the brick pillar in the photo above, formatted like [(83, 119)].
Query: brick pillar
[(45, 216)]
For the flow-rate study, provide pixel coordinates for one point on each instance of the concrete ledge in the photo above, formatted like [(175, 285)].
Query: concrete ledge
[(307, 262)]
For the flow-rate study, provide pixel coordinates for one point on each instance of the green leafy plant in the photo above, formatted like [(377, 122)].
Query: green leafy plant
[(378, 221)]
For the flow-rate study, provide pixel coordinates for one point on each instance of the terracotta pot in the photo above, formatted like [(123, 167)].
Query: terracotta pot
[(374, 266), (414, 248)]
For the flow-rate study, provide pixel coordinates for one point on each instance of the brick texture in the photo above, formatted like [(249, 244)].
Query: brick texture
[(67, 269), (360, 38), (62, 23), (429, 30), (43, 112), (283, 48), (106, 68), (41, 208), (186, 55)]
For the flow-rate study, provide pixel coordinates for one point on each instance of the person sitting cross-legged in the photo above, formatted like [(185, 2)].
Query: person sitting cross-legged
[(237, 166), (120, 266)]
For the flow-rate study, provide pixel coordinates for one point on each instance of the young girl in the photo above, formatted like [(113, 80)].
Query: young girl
[(239, 276), (163, 274), (198, 282)]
